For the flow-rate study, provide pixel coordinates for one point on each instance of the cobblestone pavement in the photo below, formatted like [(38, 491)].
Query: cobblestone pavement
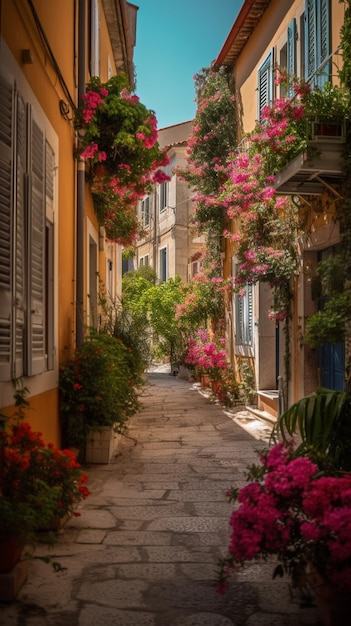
[(145, 549)]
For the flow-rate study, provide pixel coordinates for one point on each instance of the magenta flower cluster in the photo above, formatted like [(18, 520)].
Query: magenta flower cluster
[(207, 353), (292, 512), (118, 141)]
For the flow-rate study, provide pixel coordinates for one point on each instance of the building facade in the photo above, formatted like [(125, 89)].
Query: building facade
[(168, 244), (303, 37), (51, 247)]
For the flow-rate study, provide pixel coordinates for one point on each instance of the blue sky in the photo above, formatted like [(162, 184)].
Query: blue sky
[(175, 39)]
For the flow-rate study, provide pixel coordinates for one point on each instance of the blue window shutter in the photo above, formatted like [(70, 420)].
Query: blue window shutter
[(6, 247), (317, 40), (291, 51), (324, 38), (265, 83)]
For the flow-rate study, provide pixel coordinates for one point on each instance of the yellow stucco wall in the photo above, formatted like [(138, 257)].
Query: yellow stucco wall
[(20, 32)]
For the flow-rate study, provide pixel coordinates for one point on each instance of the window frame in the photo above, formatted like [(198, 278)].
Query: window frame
[(317, 41), (163, 264), (28, 321), (265, 76), (163, 196)]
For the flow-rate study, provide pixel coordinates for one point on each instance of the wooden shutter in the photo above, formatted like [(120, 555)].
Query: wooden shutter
[(239, 320), (324, 41), (36, 251), (291, 52), (249, 321), (244, 317), (265, 83), (317, 40), (310, 37), (19, 228), (6, 202), (49, 257)]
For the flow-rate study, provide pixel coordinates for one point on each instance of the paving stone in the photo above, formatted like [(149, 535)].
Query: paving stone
[(122, 538), (116, 593), (146, 548), (99, 616)]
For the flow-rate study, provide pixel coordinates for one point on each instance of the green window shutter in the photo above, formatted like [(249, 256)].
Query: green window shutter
[(6, 203), (291, 52), (317, 41), (36, 252), (324, 39), (265, 82)]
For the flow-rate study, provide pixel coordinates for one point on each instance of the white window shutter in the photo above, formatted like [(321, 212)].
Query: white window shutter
[(36, 229), (19, 229), (6, 201)]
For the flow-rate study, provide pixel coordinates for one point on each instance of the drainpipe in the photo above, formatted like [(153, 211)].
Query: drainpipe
[(82, 19)]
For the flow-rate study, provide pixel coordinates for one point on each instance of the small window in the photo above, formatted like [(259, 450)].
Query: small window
[(145, 212), (94, 38), (265, 83), (163, 196), (163, 265), (244, 317), (283, 64)]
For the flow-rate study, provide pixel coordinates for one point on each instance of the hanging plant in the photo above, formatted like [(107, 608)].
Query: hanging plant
[(118, 141)]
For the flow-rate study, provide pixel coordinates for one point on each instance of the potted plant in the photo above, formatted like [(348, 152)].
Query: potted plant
[(296, 515), (97, 392), (39, 483)]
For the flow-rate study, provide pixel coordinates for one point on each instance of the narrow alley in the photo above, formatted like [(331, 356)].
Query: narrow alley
[(145, 550)]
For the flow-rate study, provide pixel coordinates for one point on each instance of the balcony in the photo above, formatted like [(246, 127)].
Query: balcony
[(311, 172)]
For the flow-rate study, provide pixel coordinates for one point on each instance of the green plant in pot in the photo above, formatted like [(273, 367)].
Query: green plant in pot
[(39, 483), (96, 389)]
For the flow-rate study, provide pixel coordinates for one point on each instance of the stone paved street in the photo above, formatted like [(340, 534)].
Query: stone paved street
[(145, 549)]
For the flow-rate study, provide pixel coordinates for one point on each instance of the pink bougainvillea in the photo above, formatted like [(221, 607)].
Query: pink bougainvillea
[(292, 512)]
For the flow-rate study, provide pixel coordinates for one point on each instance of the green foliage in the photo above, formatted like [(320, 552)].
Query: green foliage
[(97, 388), (323, 422), (38, 482), (329, 324), (247, 385), (160, 302), (130, 327)]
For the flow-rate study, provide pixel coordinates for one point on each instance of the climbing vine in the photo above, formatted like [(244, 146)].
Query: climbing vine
[(331, 324)]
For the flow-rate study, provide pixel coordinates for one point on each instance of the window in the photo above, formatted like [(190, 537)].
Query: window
[(144, 261), (163, 196), (243, 313), (291, 52), (145, 211), (27, 166), (244, 317), (317, 41), (195, 267), (163, 265), (94, 38), (265, 83)]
